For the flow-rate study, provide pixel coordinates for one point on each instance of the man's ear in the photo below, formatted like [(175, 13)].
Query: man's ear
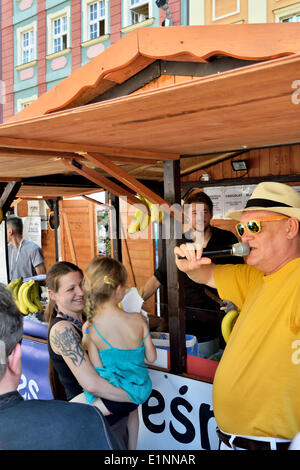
[(292, 228), (14, 361)]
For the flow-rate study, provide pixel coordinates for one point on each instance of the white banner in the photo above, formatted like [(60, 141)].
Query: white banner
[(178, 416), (32, 230)]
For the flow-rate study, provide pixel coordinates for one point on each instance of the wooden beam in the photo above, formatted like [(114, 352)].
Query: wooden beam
[(32, 144), (69, 237), (104, 182), (176, 315), (106, 164), (9, 194), (9, 178)]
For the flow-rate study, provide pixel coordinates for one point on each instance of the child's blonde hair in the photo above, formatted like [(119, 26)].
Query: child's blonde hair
[(102, 278)]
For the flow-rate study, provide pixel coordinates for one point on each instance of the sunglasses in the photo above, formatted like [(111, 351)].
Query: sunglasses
[(254, 226)]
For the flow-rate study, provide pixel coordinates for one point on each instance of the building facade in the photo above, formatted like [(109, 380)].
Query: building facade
[(44, 41)]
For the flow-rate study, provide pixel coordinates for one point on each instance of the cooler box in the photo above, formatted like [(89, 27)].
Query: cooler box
[(162, 341)]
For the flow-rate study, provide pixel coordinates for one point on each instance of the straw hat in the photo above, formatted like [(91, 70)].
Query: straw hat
[(273, 197)]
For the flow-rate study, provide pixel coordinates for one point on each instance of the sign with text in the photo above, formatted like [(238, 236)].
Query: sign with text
[(178, 415)]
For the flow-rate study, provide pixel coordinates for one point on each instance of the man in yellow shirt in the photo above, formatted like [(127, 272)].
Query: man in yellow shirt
[(256, 388)]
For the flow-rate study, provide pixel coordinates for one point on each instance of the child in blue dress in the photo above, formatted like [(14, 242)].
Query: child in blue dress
[(117, 341)]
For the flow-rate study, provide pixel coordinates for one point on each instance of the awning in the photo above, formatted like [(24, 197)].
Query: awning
[(248, 107)]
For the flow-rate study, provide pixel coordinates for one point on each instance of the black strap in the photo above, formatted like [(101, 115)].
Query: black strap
[(250, 444), (75, 322), (265, 203)]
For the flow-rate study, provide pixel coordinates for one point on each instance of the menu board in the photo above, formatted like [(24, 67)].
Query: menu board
[(217, 197), (32, 230)]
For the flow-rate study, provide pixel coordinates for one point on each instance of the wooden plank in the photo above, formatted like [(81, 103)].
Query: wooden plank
[(176, 315), (8, 195), (69, 238), (103, 182), (264, 162), (32, 144), (104, 163)]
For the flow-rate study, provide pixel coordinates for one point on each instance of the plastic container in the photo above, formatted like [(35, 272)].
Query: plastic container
[(207, 348), (162, 341)]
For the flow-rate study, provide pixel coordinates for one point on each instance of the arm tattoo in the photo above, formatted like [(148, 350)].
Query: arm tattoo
[(68, 343)]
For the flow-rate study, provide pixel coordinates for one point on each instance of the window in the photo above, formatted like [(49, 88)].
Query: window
[(27, 46), (291, 19), (139, 11), (22, 103), (96, 20), (288, 14), (58, 28), (60, 34)]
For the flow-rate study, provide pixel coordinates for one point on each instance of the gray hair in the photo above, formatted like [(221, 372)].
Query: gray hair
[(11, 327), (16, 223)]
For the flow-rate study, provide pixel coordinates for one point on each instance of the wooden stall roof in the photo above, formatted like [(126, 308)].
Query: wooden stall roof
[(247, 107)]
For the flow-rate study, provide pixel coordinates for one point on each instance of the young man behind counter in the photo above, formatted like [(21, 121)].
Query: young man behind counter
[(197, 295)]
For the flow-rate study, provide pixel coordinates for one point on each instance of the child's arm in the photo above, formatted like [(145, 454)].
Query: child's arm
[(150, 349), (93, 352)]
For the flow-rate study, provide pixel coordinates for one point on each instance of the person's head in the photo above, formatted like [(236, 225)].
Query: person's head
[(11, 331), (270, 225), (14, 227), (64, 282), (105, 278), (201, 207)]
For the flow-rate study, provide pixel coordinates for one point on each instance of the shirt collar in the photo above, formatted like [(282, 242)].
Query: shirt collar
[(9, 399)]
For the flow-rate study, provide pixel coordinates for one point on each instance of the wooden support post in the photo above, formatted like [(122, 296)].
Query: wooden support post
[(174, 276), (8, 195), (56, 225), (6, 199), (115, 227)]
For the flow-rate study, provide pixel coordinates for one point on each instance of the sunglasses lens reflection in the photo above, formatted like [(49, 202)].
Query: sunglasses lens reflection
[(253, 226), (240, 229)]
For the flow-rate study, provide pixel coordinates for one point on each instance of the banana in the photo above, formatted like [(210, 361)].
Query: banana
[(228, 323), (26, 294), (144, 221), (17, 287), (12, 285), (21, 305), (35, 296), (154, 209), (134, 225)]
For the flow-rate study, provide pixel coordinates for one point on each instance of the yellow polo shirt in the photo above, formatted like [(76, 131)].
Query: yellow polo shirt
[(256, 389)]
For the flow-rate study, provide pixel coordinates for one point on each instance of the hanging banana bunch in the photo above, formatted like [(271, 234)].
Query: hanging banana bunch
[(141, 219)]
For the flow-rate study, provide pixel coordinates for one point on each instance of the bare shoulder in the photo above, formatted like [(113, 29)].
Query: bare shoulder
[(136, 317)]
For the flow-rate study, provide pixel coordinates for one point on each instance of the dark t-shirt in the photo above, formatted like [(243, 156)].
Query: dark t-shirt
[(194, 293)]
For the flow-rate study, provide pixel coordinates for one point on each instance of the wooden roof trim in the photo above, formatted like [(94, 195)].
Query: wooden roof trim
[(105, 164), (41, 147), (133, 184), (145, 45), (104, 182)]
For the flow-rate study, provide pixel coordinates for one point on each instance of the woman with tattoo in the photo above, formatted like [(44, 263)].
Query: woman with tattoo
[(117, 341), (70, 369)]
